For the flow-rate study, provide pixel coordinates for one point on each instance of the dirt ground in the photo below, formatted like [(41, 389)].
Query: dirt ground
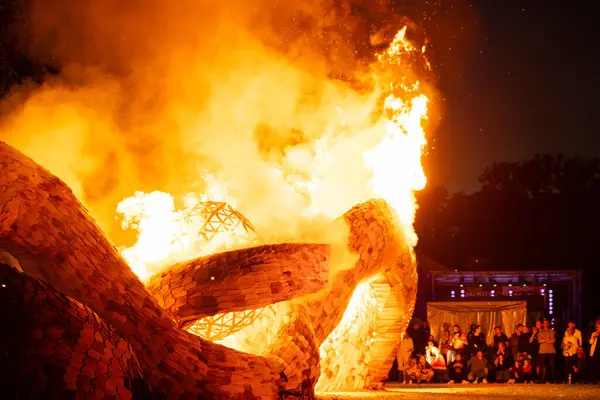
[(472, 392)]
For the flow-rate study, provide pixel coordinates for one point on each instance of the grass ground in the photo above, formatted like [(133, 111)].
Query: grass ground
[(472, 392)]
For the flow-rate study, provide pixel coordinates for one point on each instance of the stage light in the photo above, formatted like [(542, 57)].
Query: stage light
[(462, 295), (493, 293), (462, 281), (462, 291), (452, 294), (480, 285), (550, 291), (510, 282), (522, 281), (543, 291), (510, 292)]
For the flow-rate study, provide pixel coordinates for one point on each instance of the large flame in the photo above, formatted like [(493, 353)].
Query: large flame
[(228, 109), (392, 165)]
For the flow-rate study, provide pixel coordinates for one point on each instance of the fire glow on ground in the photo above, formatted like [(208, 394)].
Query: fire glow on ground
[(471, 392)]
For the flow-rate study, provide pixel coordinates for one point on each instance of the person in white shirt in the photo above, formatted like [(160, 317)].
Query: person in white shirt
[(570, 344), (576, 332), (405, 350), (595, 354)]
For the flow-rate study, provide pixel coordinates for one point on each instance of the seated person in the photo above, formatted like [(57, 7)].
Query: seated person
[(502, 368), (478, 368), (410, 373), (503, 351), (578, 370), (424, 370), (457, 371), (516, 373), (432, 340), (527, 371), (434, 357)]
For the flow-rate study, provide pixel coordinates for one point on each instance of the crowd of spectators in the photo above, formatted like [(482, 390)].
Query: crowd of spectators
[(529, 355)]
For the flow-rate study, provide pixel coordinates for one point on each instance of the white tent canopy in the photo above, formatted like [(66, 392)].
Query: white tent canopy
[(488, 314)]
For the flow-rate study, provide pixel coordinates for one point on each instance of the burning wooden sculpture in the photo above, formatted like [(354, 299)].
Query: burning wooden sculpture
[(78, 323)]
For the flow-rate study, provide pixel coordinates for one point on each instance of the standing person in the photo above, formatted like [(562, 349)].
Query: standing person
[(419, 341), (595, 355), (499, 336), (523, 345), (570, 344), (457, 371), (445, 344), (547, 338), (576, 332), (478, 368), (535, 347), (514, 342), (458, 347), (477, 340), (405, 350)]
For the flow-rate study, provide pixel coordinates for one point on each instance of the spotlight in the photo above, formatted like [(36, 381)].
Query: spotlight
[(462, 281), (510, 282), (493, 293), (522, 280), (510, 292)]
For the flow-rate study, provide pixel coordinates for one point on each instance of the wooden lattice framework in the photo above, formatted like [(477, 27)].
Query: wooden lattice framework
[(220, 217), (218, 327)]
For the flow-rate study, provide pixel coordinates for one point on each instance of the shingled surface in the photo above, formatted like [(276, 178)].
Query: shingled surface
[(54, 240), (240, 280)]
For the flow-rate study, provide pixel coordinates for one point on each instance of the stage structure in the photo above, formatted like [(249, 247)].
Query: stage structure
[(77, 322), (488, 314), (555, 295)]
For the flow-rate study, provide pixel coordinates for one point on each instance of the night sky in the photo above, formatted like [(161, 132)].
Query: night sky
[(518, 78)]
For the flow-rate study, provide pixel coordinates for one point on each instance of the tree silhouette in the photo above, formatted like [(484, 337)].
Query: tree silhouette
[(539, 213)]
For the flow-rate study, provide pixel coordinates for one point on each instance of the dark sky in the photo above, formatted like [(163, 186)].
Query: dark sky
[(518, 78)]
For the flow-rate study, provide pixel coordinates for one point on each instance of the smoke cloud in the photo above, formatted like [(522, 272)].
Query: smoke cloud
[(154, 94)]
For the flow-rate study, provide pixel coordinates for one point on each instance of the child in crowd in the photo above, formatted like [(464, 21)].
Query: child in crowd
[(410, 373), (527, 371), (424, 370), (502, 368), (516, 373)]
